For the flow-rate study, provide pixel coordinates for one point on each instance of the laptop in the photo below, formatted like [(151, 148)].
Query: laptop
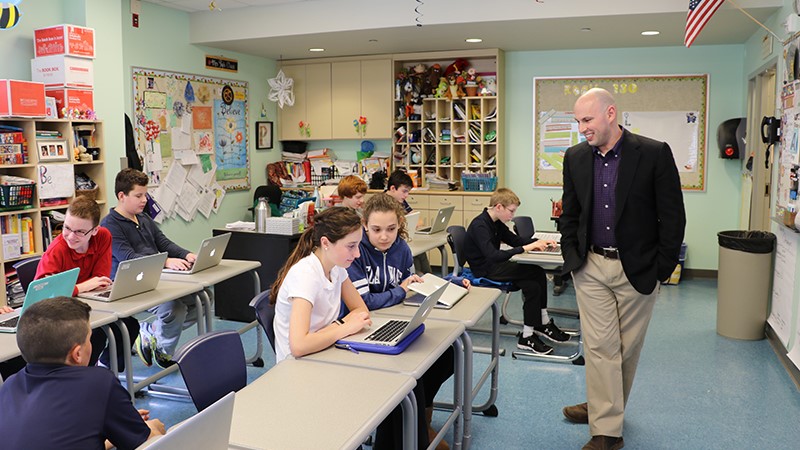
[(549, 250), (209, 429), (210, 254), (392, 336), (440, 222), (58, 285), (452, 294), (412, 220), (134, 276)]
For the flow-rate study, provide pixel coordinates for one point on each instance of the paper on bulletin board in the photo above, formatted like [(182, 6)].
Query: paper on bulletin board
[(679, 129), (780, 317), (559, 131), (56, 180), (206, 204), (175, 177)]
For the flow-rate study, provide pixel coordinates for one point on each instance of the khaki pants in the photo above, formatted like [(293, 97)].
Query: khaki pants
[(614, 319)]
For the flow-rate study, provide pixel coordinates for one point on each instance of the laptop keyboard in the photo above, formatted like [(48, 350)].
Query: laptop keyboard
[(10, 323), (104, 294), (554, 250), (388, 331)]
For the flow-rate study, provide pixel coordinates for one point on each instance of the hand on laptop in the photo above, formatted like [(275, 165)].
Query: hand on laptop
[(414, 278), (93, 284), (356, 321), (178, 263), (191, 258), (5, 309), (539, 245)]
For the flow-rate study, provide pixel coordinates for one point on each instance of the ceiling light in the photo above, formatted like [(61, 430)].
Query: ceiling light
[(586, 29), (373, 40), (651, 33), (316, 49), (474, 40)]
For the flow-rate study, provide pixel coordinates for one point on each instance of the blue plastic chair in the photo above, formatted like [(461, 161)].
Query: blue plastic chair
[(265, 313), (212, 365)]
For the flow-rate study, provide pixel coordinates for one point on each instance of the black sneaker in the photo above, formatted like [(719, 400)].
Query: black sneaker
[(551, 331), (534, 344), (163, 360), (144, 350)]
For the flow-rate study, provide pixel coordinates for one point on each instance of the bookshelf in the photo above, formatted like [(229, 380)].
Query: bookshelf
[(446, 137), (38, 133)]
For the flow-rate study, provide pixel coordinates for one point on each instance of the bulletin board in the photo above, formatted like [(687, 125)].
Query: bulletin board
[(672, 108), (196, 121)]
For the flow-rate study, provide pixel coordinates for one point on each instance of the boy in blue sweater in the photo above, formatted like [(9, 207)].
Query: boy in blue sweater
[(135, 234)]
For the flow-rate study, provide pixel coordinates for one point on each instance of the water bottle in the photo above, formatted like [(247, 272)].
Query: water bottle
[(262, 212), (319, 205)]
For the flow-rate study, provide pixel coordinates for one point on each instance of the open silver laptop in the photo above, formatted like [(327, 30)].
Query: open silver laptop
[(412, 220), (210, 429), (389, 332), (549, 237), (452, 294), (134, 276), (58, 285), (439, 222), (210, 254)]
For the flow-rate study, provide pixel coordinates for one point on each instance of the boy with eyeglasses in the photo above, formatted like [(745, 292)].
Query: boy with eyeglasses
[(482, 251), (84, 244)]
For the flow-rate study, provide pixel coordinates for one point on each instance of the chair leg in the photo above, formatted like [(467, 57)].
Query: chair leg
[(504, 311)]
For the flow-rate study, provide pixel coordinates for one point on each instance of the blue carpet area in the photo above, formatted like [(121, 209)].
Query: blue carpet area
[(694, 389)]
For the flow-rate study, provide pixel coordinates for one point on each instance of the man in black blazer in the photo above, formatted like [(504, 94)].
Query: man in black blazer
[(621, 231)]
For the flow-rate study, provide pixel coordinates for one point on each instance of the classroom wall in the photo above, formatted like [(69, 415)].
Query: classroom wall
[(162, 42), (707, 212)]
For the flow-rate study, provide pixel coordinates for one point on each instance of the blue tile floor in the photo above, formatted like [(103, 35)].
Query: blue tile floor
[(694, 389)]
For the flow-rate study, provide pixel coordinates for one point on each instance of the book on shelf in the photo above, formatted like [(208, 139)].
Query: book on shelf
[(17, 232), (13, 153), (48, 134), (12, 137)]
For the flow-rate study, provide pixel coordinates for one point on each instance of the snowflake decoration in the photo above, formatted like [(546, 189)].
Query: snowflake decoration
[(280, 89)]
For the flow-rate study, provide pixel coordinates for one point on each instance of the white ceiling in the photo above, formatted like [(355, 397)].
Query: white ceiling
[(286, 29)]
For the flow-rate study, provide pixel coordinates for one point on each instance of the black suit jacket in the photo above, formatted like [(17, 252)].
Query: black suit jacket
[(650, 217)]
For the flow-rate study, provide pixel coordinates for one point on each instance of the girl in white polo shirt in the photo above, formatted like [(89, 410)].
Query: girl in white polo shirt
[(312, 284)]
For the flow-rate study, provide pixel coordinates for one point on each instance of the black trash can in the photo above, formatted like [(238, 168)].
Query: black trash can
[(743, 283)]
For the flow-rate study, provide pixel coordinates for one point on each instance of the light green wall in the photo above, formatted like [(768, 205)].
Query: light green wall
[(707, 212), (162, 42)]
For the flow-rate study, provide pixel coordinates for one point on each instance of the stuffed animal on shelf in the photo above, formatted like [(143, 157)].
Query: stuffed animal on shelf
[(441, 90), (455, 87), (432, 80), (458, 66)]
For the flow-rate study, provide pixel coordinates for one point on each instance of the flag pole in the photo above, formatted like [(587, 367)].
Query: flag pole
[(754, 19)]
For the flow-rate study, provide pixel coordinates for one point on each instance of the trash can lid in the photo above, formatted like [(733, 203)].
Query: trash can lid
[(749, 241)]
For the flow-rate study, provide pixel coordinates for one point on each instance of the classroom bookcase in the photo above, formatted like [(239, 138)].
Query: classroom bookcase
[(88, 131)]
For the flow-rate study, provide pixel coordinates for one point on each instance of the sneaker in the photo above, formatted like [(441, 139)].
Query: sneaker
[(144, 349), (163, 360), (533, 344), (551, 331)]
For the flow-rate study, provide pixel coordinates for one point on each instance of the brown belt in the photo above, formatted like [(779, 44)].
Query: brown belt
[(608, 253)]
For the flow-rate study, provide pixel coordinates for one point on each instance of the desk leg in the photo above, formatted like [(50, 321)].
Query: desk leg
[(409, 408), (445, 268), (126, 344), (459, 382), (112, 349), (207, 295), (198, 304)]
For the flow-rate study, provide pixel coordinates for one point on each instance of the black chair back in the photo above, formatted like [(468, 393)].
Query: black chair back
[(456, 235), (265, 313), (26, 271), (523, 226)]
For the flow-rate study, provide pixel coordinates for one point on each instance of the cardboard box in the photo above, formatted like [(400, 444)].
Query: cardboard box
[(21, 98), (63, 71), (64, 40), (80, 99)]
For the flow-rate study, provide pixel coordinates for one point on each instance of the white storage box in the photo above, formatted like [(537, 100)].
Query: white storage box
[(283, 225), (63, 71)]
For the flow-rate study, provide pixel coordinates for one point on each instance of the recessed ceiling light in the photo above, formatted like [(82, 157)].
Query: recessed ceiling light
[(651, 33), (586, 29), (373, 40), (473, 40), (316, 49)]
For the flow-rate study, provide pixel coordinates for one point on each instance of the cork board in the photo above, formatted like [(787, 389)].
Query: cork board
[(669, 108)]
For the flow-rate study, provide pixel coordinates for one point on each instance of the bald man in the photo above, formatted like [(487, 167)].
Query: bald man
[(621, 232)]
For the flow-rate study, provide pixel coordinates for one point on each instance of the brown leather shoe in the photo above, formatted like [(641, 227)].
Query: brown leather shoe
[(577, 413), (604, 443)]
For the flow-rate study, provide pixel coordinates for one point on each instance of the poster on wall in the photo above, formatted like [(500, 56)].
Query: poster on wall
[(191, 120), (669, 108)]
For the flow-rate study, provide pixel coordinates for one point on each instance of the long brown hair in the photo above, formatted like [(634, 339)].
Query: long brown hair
[(333, 223), (386, 203)]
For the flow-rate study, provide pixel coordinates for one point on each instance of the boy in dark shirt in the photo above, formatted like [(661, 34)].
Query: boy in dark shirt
[(135, 234), (58, 402), (482, 251), (399, 187)]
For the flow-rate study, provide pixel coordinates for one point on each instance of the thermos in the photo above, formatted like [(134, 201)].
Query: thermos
[(262, 212)]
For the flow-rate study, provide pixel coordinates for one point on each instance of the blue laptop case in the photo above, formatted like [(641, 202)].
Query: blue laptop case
[(384, 349)]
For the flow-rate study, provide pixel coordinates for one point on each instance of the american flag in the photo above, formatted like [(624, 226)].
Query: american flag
[(700, 12)]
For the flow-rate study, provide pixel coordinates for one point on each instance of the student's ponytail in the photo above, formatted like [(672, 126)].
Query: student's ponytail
[(333, 223)]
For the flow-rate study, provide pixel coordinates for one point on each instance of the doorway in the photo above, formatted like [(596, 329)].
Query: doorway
[(757, 179)]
